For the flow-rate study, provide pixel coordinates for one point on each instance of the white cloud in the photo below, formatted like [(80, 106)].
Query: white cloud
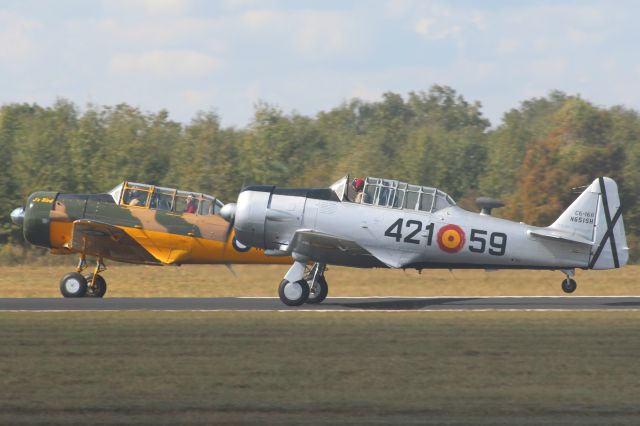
[(398, 8), (199, 99), (365, 93), (253, 92), (324, 34), (259, 19), (243, 4), (145, 33), (16, 43), (432, 30), (167, 8), (313, 33), (583, 37), (507, 45), (165, 64), (436, 22)]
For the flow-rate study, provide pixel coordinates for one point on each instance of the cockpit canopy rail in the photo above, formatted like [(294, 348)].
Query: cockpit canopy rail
[(140, 195), (393, 194)]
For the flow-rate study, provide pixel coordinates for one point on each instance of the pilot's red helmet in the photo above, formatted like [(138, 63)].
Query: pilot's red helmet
[(358, 184)]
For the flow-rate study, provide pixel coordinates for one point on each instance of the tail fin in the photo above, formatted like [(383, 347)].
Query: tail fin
[(596, 215)]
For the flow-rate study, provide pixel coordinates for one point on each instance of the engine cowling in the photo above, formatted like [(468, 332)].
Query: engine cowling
[(250, 215), (267, 217), (37, 218)]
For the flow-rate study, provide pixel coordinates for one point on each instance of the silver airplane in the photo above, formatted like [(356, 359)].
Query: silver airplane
[(392, 224)]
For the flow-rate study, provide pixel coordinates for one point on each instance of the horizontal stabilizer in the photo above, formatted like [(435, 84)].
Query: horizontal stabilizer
[(559, 235)]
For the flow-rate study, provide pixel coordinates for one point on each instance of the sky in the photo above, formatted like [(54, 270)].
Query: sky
[(309, 56)]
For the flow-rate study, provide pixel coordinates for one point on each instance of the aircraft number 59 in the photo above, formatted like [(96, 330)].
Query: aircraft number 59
[(478, 239), (497, 242)]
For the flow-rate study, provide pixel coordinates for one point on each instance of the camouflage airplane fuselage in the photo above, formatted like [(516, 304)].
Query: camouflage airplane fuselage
[(97, 226)]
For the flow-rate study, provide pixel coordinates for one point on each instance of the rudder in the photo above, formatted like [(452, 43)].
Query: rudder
[(596, 215)]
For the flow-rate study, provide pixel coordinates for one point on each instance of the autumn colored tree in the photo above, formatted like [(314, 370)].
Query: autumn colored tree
[(577, 149)]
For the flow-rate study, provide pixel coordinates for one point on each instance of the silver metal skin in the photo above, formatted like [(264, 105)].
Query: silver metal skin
[(251, 210), (228, 212), (404, 233), (17, 216)]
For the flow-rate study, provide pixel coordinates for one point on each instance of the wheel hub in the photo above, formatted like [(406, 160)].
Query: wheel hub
[(72, 285), (293, 291)]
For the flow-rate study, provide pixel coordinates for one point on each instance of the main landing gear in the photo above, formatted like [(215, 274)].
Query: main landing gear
[(302, 285), (75, 284), (569, 284)]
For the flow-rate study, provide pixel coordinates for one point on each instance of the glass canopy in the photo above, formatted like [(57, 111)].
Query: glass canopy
[(393, 194), (140, 195)]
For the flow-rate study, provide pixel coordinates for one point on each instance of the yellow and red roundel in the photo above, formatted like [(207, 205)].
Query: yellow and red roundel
[(451, 238)]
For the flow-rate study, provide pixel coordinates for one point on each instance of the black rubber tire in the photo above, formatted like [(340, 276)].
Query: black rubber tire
[(97, 289), (569, 285), (298, 300), (73, 278), (321, 294)]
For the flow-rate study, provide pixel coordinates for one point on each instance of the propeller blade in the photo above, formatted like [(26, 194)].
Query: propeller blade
[(230, 268), (228, 213)]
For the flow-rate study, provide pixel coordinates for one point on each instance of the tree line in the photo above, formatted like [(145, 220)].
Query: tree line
[(531, 160)]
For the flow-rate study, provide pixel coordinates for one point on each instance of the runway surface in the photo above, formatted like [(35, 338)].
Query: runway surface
[(361, 304)]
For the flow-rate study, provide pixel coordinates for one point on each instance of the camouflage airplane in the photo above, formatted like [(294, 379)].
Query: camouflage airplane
[(133, 223), (391, 224)]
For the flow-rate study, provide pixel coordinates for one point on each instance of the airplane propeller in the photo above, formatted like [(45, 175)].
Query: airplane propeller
[(228, 213)]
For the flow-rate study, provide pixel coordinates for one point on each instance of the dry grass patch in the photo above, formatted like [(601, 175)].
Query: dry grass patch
[(262, 280)]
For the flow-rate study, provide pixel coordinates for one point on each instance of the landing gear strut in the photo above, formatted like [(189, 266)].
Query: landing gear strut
[(569, 284), (318, 288), (75, 284)]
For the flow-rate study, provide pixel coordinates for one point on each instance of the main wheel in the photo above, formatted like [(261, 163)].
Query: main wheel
[(97, 288), (73, 285), (569, 285), (293, 294), (318, 290)]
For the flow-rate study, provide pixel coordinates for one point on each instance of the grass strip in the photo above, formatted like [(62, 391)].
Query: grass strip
[(439, 367)]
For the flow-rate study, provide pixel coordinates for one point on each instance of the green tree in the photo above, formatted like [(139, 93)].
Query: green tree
[(204, 159)]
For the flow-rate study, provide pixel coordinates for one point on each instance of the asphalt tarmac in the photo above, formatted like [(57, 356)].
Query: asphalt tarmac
[(362, 304)]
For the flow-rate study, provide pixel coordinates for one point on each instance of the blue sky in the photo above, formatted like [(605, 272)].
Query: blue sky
[(308, 56)]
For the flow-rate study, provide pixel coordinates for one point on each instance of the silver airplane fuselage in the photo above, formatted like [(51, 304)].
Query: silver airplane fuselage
[(324, 226)]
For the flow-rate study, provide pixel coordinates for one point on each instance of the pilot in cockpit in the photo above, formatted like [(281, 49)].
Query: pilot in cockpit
[(134, 198), (358, 185), (192, 204)]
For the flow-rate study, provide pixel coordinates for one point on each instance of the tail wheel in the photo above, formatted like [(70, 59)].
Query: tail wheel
[(96, 288), (569, 285), (73, 285), (318, 290), (293, 294)]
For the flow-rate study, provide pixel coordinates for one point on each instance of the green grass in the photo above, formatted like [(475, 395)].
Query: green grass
[(438, 367)]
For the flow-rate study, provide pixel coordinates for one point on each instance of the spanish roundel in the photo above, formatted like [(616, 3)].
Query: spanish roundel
[(451, 238)]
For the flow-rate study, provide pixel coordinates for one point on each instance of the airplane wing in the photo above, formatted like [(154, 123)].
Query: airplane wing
[(101, 239), (331, 249)]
